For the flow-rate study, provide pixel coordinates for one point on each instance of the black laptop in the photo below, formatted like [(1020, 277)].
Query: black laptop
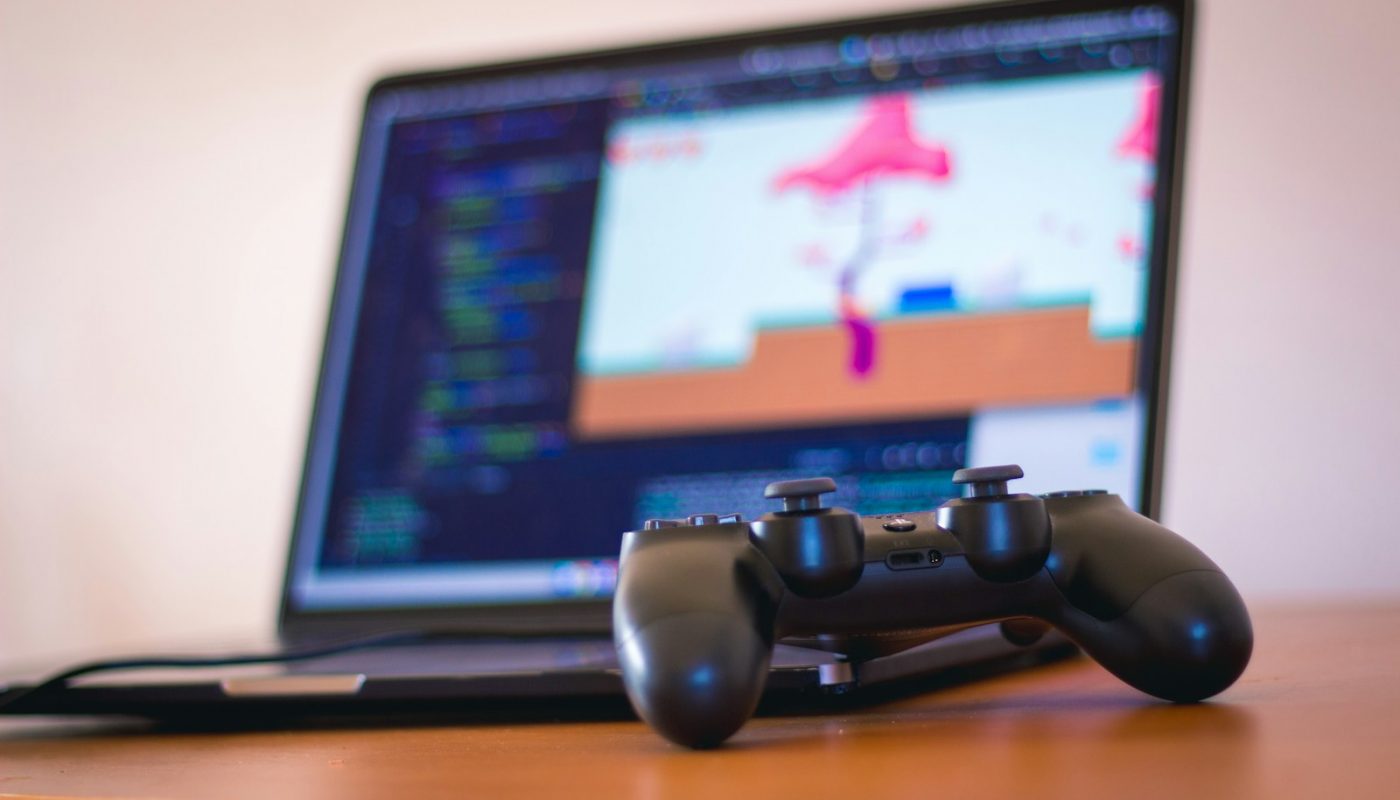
[(579, 292)]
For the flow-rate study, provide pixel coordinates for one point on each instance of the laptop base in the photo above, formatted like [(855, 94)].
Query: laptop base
[(508, 681)]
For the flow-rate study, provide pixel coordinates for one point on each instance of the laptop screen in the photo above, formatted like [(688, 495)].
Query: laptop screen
[(580, 293)]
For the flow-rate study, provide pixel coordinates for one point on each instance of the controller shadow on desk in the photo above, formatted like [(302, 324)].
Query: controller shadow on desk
[(1067, 718), (874, 696), (1068, 721)]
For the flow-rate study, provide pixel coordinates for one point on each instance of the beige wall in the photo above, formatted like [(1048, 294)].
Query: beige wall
[(172, 177)]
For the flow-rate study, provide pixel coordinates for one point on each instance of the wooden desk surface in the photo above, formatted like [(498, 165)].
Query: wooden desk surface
[(1317, 714)]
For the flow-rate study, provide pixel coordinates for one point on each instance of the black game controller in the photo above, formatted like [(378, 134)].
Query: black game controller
[(701, 601)]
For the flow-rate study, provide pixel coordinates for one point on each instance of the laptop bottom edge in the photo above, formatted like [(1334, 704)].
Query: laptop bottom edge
[(321, 696)]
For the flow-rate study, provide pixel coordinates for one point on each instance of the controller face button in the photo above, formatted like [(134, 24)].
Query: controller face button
[(658, 524), (899, 525), (729, 519), (1075, 493), (702, 519), (935, 558)]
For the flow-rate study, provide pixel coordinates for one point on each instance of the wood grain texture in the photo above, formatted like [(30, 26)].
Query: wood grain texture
[(1317, 714)]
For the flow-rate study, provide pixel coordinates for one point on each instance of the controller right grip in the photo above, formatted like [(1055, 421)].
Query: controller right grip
[(1186, 638)]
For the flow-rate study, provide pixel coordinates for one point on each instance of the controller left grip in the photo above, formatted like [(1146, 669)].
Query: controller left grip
[(693, 625), (695, 678)]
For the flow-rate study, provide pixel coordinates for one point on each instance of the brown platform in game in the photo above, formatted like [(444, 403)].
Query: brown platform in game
[(940, 364)]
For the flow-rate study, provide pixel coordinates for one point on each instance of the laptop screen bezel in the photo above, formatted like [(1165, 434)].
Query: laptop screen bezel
[(592, 616)]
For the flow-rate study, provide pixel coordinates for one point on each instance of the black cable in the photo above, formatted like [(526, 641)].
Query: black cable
[(60, 681)]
